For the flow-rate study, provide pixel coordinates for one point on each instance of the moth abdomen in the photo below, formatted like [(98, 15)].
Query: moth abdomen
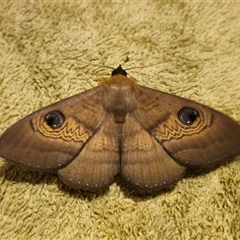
[(119, 115)]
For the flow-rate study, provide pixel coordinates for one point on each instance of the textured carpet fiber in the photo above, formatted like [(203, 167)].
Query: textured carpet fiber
[(40, 48)]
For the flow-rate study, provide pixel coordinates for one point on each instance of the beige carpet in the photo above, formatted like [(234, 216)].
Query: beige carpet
[(37, 42)]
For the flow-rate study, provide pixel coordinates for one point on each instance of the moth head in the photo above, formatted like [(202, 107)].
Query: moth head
[(188, 115), (54, 119), (119, 70)]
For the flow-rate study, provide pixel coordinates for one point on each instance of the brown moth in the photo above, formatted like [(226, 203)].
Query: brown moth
[(148, 137)]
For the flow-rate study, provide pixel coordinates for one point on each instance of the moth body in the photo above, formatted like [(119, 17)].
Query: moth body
[(146, 136)]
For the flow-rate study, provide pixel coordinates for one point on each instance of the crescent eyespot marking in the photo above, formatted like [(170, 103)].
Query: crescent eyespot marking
[(67, 131)]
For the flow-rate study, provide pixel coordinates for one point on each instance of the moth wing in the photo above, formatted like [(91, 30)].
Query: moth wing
[(31, 142), (145, 164), (210, 139), (98, 162)]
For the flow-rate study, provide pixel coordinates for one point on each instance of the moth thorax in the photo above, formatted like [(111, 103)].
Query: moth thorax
[(119, 103), (116, 97)]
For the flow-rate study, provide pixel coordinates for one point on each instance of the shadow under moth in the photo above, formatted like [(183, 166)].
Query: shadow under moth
[(146, 136)]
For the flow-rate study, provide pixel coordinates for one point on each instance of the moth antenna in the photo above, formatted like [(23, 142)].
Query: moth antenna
[(93, 64), (112, 68), (145, 66)]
